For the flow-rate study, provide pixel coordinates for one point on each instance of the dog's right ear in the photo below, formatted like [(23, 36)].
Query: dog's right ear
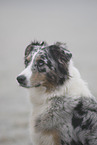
[(32, 45), (28, 49), (27, 57)]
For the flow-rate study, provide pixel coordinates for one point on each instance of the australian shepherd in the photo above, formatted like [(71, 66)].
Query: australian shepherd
[(64, 110)]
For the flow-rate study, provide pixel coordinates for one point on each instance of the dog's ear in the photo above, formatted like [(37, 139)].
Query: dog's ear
[(27, 57), (63, 48), (28, 49), (62, 57), (60, 53)]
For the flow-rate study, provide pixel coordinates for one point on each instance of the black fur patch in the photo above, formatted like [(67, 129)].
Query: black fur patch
[(79, 108), (61, 80), (75, 143), (78, 114), (62, 142)]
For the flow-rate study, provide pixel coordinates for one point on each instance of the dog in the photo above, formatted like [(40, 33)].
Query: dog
[(64, 110)]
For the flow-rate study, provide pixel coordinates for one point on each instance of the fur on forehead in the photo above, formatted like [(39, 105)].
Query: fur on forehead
[(58, 50), (42, 43), (30, 47)]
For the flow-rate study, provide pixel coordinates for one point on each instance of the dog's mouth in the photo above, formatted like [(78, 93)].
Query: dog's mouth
[(32, 86)]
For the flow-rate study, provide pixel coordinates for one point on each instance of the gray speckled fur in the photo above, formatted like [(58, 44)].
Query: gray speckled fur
[(60, 115)]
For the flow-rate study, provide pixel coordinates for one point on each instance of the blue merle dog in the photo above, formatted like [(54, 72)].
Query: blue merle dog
[(64, 112)]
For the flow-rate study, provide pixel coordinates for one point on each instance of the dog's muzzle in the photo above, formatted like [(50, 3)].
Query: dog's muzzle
[(22, 80)]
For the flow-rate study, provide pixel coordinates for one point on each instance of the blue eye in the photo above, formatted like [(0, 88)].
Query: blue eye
[(41, 63)]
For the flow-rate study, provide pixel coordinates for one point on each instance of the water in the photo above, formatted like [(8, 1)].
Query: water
[(73, 22)]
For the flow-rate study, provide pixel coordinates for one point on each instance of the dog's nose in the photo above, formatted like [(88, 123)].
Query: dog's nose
[(21, 79)]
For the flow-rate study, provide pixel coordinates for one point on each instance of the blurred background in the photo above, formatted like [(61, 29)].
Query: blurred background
[(22, 21)]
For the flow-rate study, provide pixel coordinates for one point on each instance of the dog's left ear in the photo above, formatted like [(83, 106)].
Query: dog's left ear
[(60, 53), (62, 57), (63, 50)]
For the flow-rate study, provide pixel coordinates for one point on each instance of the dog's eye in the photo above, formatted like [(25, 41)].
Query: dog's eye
[(40, 63)]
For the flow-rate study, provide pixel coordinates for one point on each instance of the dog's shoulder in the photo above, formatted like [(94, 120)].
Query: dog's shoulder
[(84, 120), (78, 115), (83, 112)]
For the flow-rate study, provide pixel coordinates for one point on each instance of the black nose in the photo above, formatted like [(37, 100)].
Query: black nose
[(21, 79)]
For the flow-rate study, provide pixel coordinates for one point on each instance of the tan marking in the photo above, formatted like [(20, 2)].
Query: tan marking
[(55, 135), (49, 86), (40, 77), (36, 78)]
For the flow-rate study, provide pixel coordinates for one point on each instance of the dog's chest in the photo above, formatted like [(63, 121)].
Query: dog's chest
[(42, 137)]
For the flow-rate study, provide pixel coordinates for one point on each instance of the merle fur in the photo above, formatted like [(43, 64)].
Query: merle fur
[(74, 119)]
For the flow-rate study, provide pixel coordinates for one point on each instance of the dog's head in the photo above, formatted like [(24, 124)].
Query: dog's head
[(45, 65)]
